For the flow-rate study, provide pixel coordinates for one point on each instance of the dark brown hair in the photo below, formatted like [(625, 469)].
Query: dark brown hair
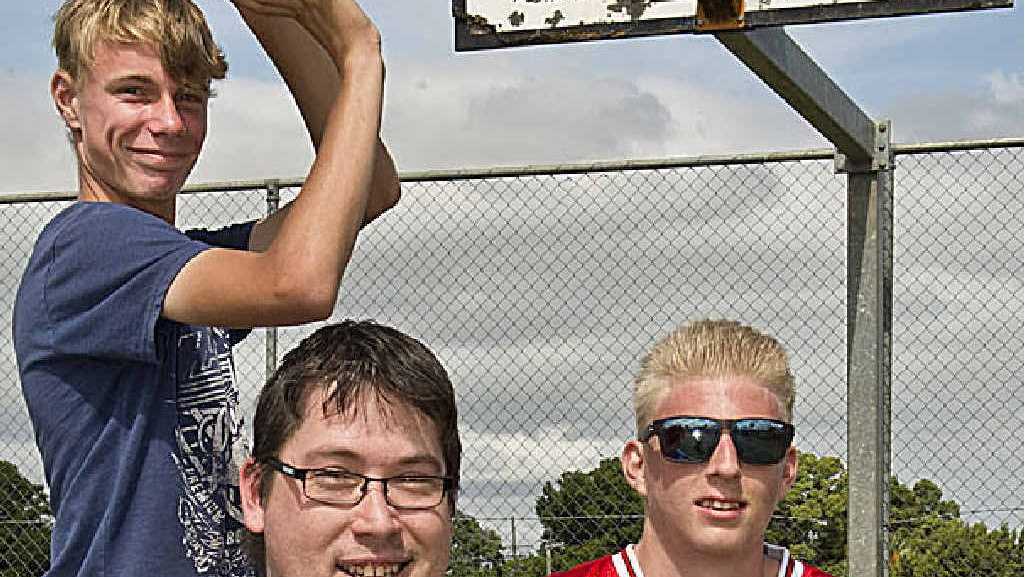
[(352, 362)]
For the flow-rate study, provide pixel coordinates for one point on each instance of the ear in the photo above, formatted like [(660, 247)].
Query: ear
[(632, 462), (789, 472), (252, 503), (65, 98)]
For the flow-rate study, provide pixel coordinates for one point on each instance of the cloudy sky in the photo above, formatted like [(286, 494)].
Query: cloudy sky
[(668, 96), (563, 339)]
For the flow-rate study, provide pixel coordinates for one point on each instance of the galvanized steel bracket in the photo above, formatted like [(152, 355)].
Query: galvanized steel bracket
[(882, 154)]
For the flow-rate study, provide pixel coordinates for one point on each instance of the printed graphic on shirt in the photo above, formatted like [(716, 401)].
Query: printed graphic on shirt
[(211, 449)]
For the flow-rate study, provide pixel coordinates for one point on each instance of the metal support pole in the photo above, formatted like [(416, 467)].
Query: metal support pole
[(781, 63), (864, 152), (869, 322), (512, 523), (271, 333)]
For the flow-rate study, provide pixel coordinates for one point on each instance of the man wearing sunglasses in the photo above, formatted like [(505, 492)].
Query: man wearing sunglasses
[(355, 464), (713, 456)]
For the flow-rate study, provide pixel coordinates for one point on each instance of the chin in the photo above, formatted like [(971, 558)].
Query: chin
[(157, 188)]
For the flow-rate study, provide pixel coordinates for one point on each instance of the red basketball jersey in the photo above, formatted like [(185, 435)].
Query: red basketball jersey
[(624, 564)]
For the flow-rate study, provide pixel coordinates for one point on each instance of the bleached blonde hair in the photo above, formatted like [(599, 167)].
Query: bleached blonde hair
[(711, 348), (176, 29)]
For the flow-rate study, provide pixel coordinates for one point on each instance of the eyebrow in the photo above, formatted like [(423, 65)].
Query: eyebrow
[(132, 78), (347, 455), (148, 80), (128, 79)]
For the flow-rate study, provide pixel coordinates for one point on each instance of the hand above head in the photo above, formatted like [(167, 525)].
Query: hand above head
[(339, 26), (292, 272)]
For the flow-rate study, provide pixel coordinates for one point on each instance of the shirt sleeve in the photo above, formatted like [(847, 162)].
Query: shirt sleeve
[(236, 237), (108, 270)]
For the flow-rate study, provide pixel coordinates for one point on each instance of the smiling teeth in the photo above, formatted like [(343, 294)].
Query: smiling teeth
[(383, 570), (719, 505)]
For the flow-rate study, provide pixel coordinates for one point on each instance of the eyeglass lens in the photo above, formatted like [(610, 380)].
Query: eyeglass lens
[(344, 488)]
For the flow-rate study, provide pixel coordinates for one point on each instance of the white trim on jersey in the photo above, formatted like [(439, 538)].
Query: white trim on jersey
[(619, 561), (634, 563), (626, 564), (783, 555)]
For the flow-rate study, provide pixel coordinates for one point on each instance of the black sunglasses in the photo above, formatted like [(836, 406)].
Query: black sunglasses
[(687, 439)]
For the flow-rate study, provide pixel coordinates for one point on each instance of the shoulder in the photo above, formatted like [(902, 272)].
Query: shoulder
[(601, 567), (83, 213), (99, 225)]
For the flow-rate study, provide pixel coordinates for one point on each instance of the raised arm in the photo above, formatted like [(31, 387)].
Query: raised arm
[(296, 278), (313, 80)]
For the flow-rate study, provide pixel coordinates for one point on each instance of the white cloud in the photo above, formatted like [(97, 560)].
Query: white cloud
[(474, 112), (714, 120), (34, 151), (1006, 88), (533, 458), (255, 132)]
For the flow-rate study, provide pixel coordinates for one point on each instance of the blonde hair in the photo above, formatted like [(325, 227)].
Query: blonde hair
[(176, 29), (711, 348)]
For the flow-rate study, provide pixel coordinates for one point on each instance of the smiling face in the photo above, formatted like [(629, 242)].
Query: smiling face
[(719, 508), (305, 538), (137, 132)]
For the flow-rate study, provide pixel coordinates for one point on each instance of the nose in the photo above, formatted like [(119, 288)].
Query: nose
[(724, 461), (166, 118), (373, 516)]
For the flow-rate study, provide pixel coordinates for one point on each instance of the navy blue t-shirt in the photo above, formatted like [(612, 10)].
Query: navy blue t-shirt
[(135, 415)]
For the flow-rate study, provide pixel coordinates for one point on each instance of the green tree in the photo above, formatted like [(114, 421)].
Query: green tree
[(25, 524), (476, 550), (590, 507), (812, 519), (950, 547)]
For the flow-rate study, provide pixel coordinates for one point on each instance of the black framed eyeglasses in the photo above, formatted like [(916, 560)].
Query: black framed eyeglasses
[(335, 486), (689, 439)]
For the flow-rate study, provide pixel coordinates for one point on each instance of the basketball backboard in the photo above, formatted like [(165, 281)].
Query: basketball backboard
[(484, 24)]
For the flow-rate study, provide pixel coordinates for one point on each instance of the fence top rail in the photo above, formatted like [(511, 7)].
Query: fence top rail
[(557, 169)]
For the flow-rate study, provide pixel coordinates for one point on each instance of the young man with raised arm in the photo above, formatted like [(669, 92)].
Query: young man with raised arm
[(123, 325), (712, 458)]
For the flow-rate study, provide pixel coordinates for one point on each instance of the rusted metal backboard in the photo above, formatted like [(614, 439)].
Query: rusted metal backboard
[(481, 24)]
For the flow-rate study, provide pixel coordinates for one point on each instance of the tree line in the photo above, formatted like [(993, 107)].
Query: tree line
[(587, 514)]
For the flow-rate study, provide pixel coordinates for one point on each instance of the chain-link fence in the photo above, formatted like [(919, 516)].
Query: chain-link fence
[(540, 289)]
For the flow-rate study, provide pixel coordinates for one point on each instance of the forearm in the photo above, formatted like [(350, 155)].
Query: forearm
[(314, 81), (315, 241), (296, 279), (305, 66)]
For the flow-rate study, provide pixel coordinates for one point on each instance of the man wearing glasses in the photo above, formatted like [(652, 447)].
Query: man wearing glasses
[(355, 464), (712, 458)]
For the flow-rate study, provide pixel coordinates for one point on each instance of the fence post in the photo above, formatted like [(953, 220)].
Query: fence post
[(271, 333), (869, 322), (512, 524)]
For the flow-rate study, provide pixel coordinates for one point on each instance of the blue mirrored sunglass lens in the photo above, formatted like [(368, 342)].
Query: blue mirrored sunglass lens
[(690, 440), (760, 441)]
